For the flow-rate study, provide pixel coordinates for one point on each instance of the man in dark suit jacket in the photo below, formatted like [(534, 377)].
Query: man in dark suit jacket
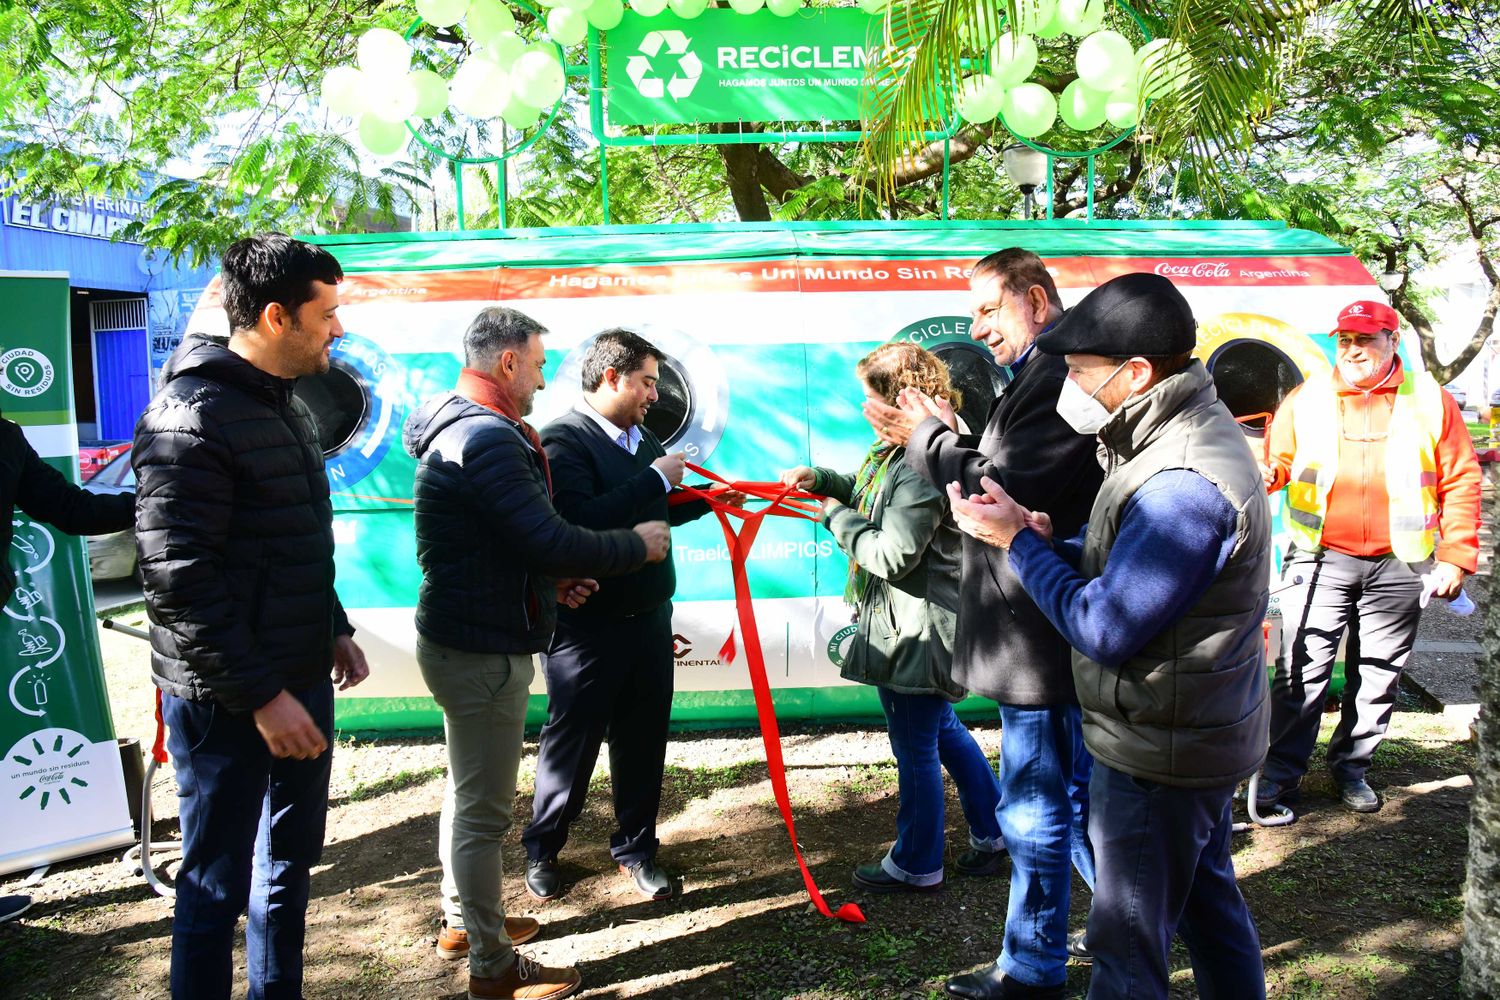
[(1005, 648), (609, 668)]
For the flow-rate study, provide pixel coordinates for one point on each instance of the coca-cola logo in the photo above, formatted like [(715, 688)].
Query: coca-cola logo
[(1201, 269)]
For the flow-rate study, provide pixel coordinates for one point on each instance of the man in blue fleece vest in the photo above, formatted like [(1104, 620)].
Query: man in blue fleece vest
[(1162, 598)]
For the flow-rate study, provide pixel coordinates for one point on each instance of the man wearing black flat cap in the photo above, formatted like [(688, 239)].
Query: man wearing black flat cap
[(1162, 598)]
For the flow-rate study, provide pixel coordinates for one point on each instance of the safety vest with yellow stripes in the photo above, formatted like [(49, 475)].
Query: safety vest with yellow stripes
[(1410, 464)]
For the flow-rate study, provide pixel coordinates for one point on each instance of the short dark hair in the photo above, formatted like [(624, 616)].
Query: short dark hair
[(1161, 367), (620, 349), (272, 267), (494, 331), (1018, 270)]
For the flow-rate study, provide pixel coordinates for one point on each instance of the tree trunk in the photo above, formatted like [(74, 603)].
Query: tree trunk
[(742, 171), (1481, 977)]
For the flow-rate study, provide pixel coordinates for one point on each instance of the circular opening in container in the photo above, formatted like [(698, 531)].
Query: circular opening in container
[(339, 403), (669, 415), (1252, 378), (975, 374)]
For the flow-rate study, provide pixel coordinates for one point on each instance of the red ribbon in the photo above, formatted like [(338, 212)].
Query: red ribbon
[(159, 747), (785, 501)]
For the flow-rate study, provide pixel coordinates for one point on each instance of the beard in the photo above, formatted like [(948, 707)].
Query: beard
[(1355, 372), (313, 356)]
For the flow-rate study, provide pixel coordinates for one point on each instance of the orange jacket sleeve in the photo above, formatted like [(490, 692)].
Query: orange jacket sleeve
[(1457, 491), (1281, 443)]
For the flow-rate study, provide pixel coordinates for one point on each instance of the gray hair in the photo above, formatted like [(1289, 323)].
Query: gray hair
[(495, 330)]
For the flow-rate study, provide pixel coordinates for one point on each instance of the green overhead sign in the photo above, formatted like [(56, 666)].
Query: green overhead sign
[(727, 67)]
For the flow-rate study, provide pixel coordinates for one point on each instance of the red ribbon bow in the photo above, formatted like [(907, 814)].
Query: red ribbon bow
[(784, 501)]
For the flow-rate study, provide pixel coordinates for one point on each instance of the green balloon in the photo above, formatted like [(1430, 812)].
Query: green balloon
[(1052, 28), (746, 6), (1165, 68), (566, 25), (381, 137), (1121, 109), (518, 114), (1029, 110), (648, 8), (783, 8), (442, 13), (432, 93), (688, 9), (1080, 18), (537, 78), (1081, 107), (606, 14), (503, 50), (1105, 60), (487, 18), (1033, 15), (979, 99), (1013, 58), (343, 91)]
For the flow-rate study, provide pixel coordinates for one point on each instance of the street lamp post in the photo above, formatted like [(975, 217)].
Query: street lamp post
[(1027, 170)]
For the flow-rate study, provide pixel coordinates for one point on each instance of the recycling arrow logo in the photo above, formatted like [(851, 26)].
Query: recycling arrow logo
[(650, 85)]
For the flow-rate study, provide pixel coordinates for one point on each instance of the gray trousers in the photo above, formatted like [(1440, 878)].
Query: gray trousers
[(483, 698), (1381, 594)]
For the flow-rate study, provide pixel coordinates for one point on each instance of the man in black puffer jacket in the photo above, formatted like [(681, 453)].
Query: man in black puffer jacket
[(235, 532), (496, 559)]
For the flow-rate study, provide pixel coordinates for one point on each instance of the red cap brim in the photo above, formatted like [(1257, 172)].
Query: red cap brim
[(1358, 324)]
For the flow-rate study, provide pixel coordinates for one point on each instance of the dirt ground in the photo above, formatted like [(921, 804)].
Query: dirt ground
[(1347, 906)]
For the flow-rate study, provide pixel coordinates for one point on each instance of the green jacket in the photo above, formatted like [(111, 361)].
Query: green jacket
[(909, 611)]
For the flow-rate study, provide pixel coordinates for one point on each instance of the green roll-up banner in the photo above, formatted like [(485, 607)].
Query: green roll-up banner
[(62, 793)]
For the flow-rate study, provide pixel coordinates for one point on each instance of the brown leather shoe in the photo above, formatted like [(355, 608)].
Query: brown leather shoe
[(454, 944), (526, 980)]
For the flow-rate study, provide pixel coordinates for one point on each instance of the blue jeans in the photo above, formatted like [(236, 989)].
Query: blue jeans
[(243, 811), (1164, 868), (927, 737), (1039, 761)]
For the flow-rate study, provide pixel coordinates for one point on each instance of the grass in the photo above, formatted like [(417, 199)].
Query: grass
[(393, 783)]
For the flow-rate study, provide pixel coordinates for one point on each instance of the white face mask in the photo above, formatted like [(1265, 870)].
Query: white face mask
[(1080, 409)]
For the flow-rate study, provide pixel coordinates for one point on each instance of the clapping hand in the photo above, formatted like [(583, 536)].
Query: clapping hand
[(992, 516)]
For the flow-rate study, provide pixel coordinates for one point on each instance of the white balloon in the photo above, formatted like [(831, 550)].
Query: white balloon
[(1120, 108), (538, 78), (1105, 60), (503, 50), (979, 99), (1029, 110), (382, 52), (432, 93), (566, 25), (606, 14), (390, 98), (1013, 58), (1081, 17), (648, 8), (442, 13), (488, 18), (343, 91), (479, 88)]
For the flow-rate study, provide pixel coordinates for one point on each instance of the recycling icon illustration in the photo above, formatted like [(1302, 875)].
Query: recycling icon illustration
[(645, 68)]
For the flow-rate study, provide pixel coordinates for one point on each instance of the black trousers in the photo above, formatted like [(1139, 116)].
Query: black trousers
[(605, 680)]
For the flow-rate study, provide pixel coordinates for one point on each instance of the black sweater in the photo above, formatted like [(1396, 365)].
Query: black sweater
[(599, 485)]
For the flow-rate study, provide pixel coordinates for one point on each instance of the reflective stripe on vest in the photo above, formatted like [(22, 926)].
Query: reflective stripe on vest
[(1410, 464)]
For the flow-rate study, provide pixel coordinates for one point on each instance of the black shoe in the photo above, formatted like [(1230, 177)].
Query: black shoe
[(1358, 796), (12, 907), (543, 880), (992, 984), (980, 863), (873, 878), (651, 880), (1077, 950)]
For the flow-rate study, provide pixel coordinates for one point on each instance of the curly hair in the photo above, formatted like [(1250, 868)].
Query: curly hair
[(892, 367)]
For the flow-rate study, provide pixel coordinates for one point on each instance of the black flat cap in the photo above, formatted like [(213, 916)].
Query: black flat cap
[(1132, 315)]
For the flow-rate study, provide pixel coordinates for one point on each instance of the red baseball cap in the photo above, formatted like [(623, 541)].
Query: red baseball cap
[(1366, 316)]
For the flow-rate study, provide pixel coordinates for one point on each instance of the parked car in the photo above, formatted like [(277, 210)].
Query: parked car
[(112, 556)]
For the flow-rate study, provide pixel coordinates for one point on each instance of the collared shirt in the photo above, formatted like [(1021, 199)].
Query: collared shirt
[(1016, 365), (629, 439)]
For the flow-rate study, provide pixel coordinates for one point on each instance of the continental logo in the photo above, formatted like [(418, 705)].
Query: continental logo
[(682, 654)]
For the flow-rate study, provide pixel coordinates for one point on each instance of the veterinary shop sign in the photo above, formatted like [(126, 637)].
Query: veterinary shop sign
[(727, 67)]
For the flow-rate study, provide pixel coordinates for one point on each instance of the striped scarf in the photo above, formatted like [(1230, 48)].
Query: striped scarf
[(867, 484)]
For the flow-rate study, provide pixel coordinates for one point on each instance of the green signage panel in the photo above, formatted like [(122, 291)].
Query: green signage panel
[(727, 67), (62, 793)]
